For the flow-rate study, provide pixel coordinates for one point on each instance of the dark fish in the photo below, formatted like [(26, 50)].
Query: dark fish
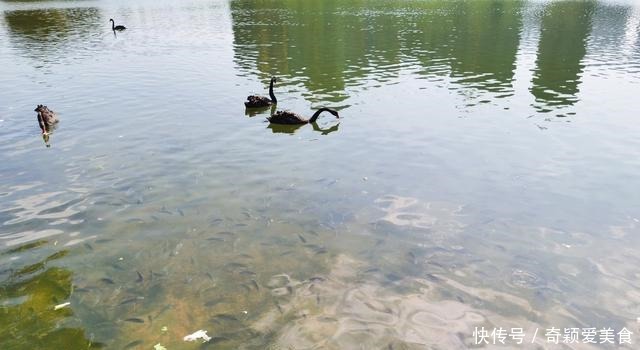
[(392, 277), (279, 307), (157, 274), (180, 212), (435, 263), (213, 302), (431, 277), (107, 280), (215, 239), (412, 257), (302, 239), (321, 251), (226, 233), (236, 265), (215, 221), (155, 218), (290, 289), (286, 252), (247, 272), (132, 344), (373, 269), (327, 319), (81, 290), (316, 279), (384, 309), (313, 232), (88, 246), (134, 320), (209, 275), (104, 240), (318, 299), (164, 210), (255, 284), (129, 301), (223, 317), (140, 278), (117, 267)]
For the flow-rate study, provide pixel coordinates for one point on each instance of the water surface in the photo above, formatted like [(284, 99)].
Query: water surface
[(483, 173)]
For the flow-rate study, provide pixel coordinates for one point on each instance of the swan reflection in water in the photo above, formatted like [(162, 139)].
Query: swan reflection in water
[(292, 128), (252, 112)]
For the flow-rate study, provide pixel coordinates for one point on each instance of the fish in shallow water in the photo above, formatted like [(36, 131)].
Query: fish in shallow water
[(255, 284), (133, 344), (236, 265), (223, 317), (134, 320), (129, 301)]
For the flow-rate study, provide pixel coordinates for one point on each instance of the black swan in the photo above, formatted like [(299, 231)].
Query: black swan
[(47, 119), (255, 101), (290, 118), (115, 27)]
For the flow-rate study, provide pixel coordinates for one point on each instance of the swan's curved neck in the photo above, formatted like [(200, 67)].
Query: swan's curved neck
[(113, 25), (271, 95), (317, 114)]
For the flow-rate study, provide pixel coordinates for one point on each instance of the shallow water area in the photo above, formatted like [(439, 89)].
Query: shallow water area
[(482, 174)]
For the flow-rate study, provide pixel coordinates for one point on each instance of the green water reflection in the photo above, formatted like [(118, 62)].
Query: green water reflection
[(163, 203), (329, 46), (28, 295), (560, 57), (45, 34)]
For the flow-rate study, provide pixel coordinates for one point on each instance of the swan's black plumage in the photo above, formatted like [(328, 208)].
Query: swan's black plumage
[(116, 27), (255, 101), (290, 118)]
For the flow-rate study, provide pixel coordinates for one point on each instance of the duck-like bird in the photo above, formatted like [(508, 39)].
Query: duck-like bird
[(115, 27), (255, 101), (47, 119), (290, 118)]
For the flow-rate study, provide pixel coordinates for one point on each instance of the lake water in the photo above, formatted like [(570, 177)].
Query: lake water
[(483, 173)]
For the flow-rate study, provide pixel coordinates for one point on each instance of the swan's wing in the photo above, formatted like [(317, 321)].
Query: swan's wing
[(257, 101)]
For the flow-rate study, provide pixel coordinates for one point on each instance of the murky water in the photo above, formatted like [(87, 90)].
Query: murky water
[(483, 174)]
